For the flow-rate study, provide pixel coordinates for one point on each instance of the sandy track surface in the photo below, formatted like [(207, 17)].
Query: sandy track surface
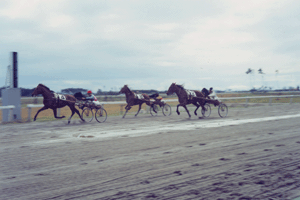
[(251, 154)]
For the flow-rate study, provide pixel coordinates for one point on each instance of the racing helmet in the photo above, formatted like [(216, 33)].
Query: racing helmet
[(89, 92)]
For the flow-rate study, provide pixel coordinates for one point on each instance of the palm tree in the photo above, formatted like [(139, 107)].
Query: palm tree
[(276, 73), (260, 71), (250, 72)]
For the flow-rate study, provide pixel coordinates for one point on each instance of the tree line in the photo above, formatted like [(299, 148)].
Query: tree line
[(25, 92)]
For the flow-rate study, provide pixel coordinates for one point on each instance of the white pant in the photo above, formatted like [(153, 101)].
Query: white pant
[(96, 103)]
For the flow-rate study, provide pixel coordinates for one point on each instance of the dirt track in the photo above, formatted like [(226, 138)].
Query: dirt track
[(159, 157)]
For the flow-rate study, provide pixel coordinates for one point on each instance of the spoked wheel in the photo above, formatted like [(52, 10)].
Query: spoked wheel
[(101, 115), (166, 110), (154, 109), (223, 110), (207, 111), (87, 114)]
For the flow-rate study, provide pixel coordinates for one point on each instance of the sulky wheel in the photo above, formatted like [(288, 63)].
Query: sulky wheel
[(207, 111), (87, 114), (101, 115), (223, 110), (154, 109), (166, 110)]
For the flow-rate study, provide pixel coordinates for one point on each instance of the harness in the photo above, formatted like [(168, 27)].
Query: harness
[(190, 94), (59, 97), (139, 96)]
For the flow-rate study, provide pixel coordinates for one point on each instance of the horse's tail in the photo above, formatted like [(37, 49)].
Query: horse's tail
[(154, 95), (199, 94), (146, 96), (70, 98)]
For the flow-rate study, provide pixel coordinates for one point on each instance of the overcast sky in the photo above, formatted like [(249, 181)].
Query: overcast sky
[(148, 44)]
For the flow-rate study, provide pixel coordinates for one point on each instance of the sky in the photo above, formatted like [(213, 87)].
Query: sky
[(150, 44)]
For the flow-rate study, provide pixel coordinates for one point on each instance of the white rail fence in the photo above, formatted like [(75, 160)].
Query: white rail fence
[(123, 103), (10, 112)]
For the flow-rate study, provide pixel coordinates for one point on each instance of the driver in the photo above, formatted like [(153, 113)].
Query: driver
[(212, 94), (92, 98), (206, 93)]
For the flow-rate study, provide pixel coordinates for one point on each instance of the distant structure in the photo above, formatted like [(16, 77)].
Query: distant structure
[(8, 79), (12, 94)]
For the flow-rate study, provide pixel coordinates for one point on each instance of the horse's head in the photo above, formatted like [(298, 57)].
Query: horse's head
[(37, 90), (172, 89), (124, 89), (41, 89)]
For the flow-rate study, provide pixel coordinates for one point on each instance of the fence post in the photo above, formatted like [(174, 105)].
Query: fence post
[(148, 109), (121, 109), (58, 112), (10, 114), (270, 101), (29, 114), (291, 100), (247, 101)]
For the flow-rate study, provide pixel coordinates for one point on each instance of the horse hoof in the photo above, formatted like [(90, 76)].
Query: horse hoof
[(63, 116), (69, 122)]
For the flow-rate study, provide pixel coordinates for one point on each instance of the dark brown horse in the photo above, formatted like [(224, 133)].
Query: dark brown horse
[(53, 101), (133, 99), (186, 97)]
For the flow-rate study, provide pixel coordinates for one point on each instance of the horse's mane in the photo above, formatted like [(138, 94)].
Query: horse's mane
[(46, 87), (180, 86), (128, 88)]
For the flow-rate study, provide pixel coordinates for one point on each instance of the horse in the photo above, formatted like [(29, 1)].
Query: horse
[(53, 101), (186, 97), (133, 99)]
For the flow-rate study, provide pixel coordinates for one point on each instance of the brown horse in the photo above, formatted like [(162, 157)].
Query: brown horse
[(53, 101), (133, 99), (186, 97)]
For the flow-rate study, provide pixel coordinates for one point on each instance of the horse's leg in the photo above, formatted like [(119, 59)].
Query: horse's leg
[(149, 103), (78, 113), (125, 113), (177, 110), (69, 119), (55, 114), (200, 102), (140, 106), (128, 107), (126, 110), (197, 105), (43, 108), (183, 105), (152, 105), (187, 110), (73, 109)]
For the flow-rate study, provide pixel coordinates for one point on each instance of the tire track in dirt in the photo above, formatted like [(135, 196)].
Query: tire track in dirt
[(249, 161)]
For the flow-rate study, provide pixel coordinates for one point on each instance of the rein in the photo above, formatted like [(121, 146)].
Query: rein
[(53, 98), (56, 96), (179, 89)]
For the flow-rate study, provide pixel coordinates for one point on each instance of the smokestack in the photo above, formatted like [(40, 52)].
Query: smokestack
[(14, 70)]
